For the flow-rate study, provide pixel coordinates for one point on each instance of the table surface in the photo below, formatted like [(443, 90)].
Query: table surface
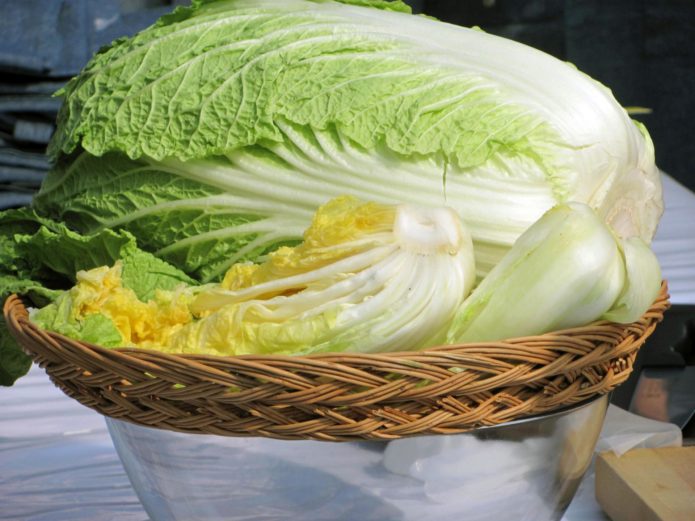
[(57, 462)]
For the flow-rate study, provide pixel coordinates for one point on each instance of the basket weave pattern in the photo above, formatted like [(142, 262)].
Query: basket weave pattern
[(339, 397)]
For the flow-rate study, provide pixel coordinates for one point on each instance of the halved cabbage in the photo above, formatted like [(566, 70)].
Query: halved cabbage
[(367, 277)]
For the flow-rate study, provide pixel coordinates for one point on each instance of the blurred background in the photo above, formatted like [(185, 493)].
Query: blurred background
[(642, 49)]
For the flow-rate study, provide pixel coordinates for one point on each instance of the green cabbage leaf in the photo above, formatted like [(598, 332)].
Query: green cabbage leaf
[(39, 257)]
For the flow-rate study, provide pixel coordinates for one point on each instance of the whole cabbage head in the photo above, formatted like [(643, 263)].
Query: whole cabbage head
[(214, 135)]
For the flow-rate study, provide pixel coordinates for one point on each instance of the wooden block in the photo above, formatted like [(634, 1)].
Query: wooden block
[(647, 484)]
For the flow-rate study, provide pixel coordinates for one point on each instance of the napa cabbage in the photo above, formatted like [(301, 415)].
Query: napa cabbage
[(366, 277), (210, 139), (568, 269), (214, 135)]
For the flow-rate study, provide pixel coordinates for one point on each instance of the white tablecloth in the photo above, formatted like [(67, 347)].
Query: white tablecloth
[(57, 462)]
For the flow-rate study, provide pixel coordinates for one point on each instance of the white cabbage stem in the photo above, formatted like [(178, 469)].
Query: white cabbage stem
[(567, 270)]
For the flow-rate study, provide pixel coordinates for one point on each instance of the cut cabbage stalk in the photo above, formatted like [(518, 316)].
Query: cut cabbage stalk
[(568, 269)]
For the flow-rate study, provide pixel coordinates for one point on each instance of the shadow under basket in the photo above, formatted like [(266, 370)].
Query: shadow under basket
[(341, 396)]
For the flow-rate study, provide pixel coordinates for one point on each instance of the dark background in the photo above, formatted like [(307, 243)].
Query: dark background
[(644, 50)]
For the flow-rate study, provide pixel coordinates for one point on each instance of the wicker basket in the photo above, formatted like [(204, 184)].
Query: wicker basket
[(340, 397)]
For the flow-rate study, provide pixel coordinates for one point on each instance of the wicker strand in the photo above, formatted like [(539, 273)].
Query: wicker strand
[(341, 396)]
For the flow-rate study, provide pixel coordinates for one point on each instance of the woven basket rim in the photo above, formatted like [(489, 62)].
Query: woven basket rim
[(341, 396), (329, 356)]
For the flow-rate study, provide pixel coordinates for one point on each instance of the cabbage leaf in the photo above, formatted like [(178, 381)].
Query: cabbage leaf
[(39, 257)]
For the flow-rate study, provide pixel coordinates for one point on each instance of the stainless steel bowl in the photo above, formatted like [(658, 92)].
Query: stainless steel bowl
[(523, 470)]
